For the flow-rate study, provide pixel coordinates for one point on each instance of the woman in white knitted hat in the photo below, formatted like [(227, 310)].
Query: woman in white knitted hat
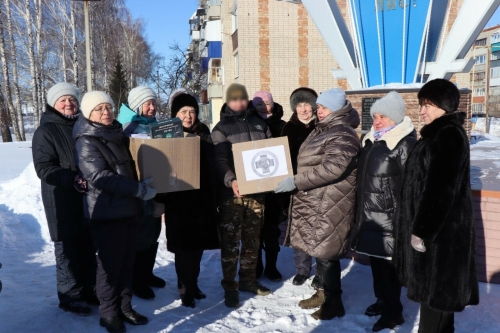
[(137, 118), (112, 206), (385, 150), (53, 156)]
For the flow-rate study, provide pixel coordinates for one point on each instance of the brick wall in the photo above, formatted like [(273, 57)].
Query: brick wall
[(412, 105)]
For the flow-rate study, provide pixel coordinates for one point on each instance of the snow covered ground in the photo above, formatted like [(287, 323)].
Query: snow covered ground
[(485, 162), (28, 302)]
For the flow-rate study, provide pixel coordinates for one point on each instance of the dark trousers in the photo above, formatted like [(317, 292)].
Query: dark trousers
[(386, 286), (303, 262), (149, 230), (434, 321), (329, 272), (270, 232), (187, 267), (75, 267), (116, 242)]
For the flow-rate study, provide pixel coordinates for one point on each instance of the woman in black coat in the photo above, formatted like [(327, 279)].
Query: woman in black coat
[(435, 249), (191, 216), (385, 150), (297, 129), (271, 112), (53, 156), (112, 206)]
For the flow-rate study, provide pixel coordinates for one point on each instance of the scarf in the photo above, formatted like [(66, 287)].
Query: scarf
[(306, 121), (380, 133)]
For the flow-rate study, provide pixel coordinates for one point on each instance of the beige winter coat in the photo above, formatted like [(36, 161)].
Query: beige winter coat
[(322, 211)]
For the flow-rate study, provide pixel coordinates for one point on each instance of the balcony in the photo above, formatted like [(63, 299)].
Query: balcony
[(214, 13), (215, 78)]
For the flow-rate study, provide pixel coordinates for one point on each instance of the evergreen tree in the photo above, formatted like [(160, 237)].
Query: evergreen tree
[(118, 87)]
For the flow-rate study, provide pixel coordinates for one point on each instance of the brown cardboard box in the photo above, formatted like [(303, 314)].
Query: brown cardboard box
[(261, 165), (173, 163)]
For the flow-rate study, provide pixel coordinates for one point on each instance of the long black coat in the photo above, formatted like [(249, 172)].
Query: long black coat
[(380, 177), (297, 132), (53, 151), (191, 216), (436, 206), (275, 122), (104, 159)]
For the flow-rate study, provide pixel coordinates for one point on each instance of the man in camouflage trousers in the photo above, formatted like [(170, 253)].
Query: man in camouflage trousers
[(241, 218)]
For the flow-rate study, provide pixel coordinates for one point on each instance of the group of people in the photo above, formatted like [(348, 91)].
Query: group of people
[(406, 203)]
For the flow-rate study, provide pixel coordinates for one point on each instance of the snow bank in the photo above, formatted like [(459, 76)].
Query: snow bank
[(494, 126)]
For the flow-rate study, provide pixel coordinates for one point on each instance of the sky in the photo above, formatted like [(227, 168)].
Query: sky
[(166, 21)]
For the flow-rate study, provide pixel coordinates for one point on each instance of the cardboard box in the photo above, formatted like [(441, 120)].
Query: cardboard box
[(174, 164), (261, 165), (170, 128)]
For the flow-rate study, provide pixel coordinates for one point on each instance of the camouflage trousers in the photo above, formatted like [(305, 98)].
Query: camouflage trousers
[(240, 221)]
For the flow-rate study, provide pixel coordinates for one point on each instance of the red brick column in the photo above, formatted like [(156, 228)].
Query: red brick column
[(264, 61), (303, 32)]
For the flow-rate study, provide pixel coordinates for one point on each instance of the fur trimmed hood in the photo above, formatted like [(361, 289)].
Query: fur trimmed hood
[(395, 135)]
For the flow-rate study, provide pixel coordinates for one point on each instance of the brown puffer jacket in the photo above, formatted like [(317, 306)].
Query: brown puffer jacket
[(322, 210)]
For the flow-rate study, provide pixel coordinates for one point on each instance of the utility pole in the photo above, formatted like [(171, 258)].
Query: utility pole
[(487, 90), (87, 42)]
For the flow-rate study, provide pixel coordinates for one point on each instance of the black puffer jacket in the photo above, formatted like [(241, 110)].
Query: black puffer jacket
[(380, 177), (234, 128), (436, 205), (104, 159), (191, 216), (53, 151)]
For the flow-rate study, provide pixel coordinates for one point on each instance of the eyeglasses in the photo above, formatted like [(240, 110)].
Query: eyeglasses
[(103, 108)]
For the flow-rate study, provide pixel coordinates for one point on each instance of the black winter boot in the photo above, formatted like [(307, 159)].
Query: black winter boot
[(271, 272), (113, 324), (198, 294), (331, 308), (134, 318), (260, 265), (154, 281), (232, 298), (142, 273), (389, 322)]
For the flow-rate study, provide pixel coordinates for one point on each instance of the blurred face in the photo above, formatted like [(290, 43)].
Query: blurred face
[(187, 115), (430, 112), (66, 105), (238, 105), (323, 112), (380, 121), (102, 114), (304, 111), (263, 106), (149, 109)]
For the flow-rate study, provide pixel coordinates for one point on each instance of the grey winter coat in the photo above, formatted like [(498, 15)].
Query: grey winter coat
[(322, 210), (234, 128), (104, 159)]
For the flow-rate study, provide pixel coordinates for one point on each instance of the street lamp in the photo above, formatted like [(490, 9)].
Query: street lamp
[(87, 42)]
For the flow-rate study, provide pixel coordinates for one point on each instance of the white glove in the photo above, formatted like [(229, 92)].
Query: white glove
[(418, 243)]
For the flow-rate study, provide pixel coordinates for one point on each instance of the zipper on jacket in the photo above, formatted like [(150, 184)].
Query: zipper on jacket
[(248, 129)]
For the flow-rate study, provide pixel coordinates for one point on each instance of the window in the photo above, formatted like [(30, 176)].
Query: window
[(480, 59), (478, 76), (479, 91), (495, 72), (495, 55), (480, 42), (477, 108), (495, 38), (236, 65)]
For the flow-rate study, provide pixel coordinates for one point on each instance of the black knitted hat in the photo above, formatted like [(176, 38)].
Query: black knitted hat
[(303, 95), (442, 93), (183, 100)]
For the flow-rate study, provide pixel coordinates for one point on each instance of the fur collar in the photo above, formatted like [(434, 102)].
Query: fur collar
[(395, 135), (457, 119)]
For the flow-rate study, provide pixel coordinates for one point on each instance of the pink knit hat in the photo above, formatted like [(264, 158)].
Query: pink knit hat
[(263, 95)]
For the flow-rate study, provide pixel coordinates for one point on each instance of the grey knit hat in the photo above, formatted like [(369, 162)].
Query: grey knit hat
[(138, 96), (62, 89), (303, 95), (334, 99), (391, 105)]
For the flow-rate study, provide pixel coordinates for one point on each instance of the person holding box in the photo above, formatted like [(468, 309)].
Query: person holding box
[(112, 205), (136, 118), (241, 218), (191, 216), (324, 194)]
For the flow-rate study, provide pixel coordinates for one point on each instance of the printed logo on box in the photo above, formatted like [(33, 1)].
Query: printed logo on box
[(265, 164)]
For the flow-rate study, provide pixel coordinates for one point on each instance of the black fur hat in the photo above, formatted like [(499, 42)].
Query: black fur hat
[(303, 95), (183, 100), (442, 93)]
